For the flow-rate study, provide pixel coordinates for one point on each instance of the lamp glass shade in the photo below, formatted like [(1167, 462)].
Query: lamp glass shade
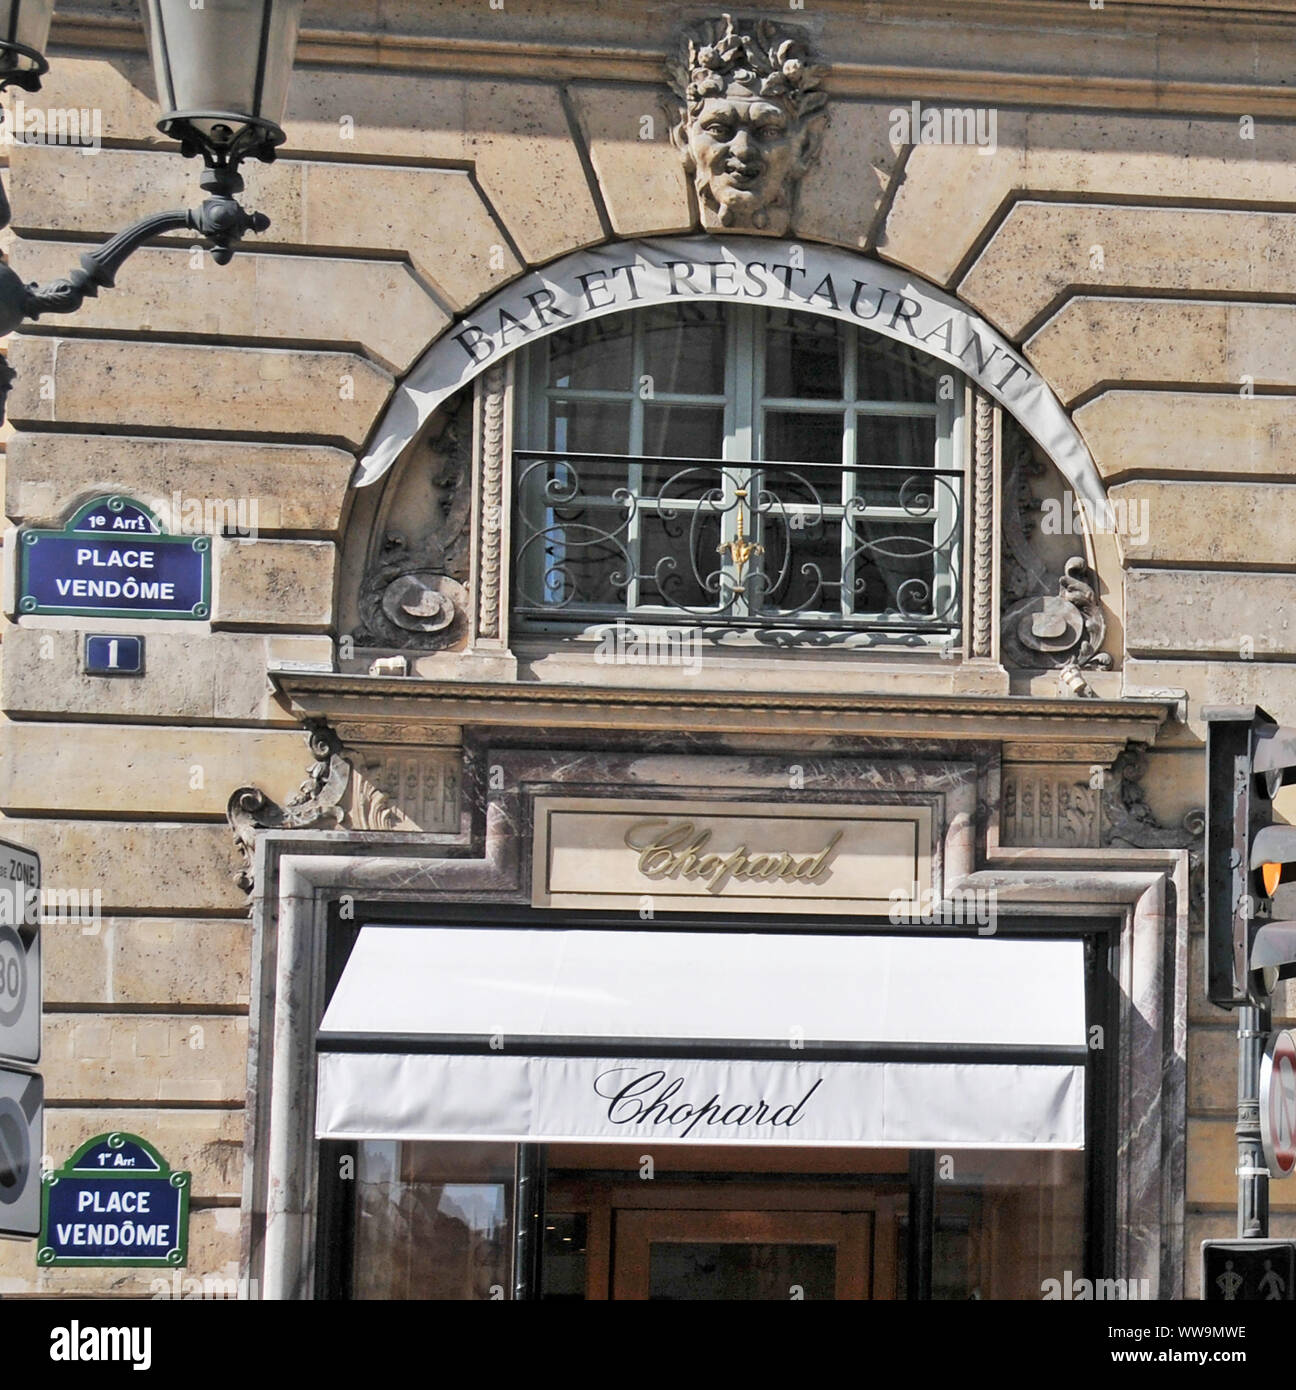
[(24, 36), (222, 70)]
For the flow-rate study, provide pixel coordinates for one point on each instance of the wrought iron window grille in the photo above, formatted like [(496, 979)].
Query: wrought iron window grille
[(797, 551)]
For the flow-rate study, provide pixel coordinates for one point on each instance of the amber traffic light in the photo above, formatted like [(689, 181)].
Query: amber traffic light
[(1250, 859)]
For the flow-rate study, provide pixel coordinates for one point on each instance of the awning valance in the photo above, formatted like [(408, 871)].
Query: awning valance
[(547, 1035)]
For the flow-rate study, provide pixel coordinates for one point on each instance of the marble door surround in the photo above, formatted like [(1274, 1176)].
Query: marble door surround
[(299, 875)]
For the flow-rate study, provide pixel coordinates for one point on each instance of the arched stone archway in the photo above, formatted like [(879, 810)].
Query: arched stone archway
[(805, 276)]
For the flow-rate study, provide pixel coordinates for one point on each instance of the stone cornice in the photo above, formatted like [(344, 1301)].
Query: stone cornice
[(1054, 723), (1061, 33)]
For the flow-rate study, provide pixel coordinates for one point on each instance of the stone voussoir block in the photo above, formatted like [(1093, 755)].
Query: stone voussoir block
[(1091, 342), (325, 396), (626, 128), (1041, 250), (1075, 152), (193, 485), (147, 961), (135, 865), (274, 583), (1205, 523), (147, 1058), (515, 134), (198, 676), (1224, 432), (322, 300), (132, 769)]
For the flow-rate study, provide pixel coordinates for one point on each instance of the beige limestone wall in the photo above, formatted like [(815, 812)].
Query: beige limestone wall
[(1125, 232)]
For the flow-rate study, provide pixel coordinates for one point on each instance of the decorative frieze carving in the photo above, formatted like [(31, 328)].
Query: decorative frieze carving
[(406, 789), (316, 804), (1053, 807), (751, 120), (393, 787), (365, 732), (1129, 821)]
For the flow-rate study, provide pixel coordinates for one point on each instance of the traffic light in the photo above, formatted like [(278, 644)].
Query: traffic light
[(1250, 861)]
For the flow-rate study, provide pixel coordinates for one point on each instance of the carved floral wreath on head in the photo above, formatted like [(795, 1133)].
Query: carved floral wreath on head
[(769, 62)]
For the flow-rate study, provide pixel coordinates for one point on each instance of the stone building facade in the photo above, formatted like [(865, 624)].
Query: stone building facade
[(1099, 261)]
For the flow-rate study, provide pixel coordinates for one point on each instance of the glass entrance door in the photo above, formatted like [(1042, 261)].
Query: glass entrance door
[(748, 1255)]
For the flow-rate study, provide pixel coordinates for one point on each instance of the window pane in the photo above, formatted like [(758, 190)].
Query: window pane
[(593, 356), (592, 427), (684, 431), (894, 565), (804, 356), (679, 556), (432, 1220), (801, 563), (890, 371), (895, 442), (583, 556), (1008, 1222), (684, 349), (803, 436), (564, 1267)]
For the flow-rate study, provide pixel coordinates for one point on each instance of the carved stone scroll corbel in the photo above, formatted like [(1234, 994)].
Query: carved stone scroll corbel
[(316, 804), (1127, 818), (1129, 822)]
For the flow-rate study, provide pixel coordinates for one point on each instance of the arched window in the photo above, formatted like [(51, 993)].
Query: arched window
[(734, 466)]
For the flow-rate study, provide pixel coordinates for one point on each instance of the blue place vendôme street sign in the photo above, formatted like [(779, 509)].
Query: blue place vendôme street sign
[(112, 560), (114, 1202)]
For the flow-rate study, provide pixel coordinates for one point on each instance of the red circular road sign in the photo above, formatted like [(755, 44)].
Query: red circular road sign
[(1278, 1104)]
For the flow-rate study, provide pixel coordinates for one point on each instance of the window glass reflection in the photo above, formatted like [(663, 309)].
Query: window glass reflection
[(1006, 1222), (432, 1221)]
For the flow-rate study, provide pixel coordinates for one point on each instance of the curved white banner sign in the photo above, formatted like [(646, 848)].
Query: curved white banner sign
[(792, 275)]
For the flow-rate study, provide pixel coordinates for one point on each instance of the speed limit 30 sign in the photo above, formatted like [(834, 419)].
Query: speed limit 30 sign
[(20, 979), (1278, 1104), (22, 1092)]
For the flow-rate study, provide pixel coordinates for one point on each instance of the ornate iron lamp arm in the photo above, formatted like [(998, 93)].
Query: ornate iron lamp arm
[(221, 219)]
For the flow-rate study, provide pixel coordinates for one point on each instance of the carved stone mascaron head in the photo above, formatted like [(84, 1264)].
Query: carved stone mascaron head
[(751, 121)]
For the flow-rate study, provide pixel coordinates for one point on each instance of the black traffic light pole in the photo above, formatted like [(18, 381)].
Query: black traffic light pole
[(1250, 912), (1238, 805), (1252, 1174)]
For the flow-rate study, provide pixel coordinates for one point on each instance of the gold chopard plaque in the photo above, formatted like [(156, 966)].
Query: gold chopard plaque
[(676, 856)]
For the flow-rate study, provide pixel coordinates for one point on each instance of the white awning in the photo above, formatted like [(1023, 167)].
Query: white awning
[(547, 1035)]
